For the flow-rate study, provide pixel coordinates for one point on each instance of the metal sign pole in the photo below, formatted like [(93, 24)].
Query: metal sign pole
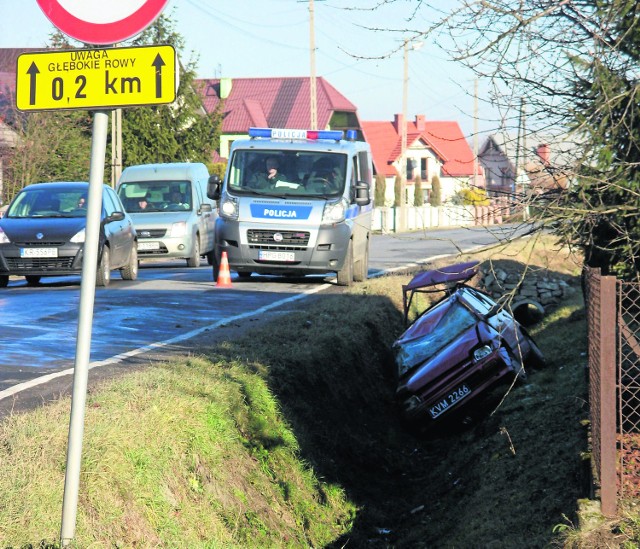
[(85, 318)]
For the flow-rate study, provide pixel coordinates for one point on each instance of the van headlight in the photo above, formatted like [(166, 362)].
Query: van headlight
[(334, 212), (178, 230), (78, 238), (229, 207)]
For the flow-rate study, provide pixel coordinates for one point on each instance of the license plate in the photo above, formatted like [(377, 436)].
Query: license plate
[(452, 398), (276, 256), (38, 252), (142, 246)]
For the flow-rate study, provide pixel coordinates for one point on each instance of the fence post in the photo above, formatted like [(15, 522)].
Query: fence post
[(608, 431)]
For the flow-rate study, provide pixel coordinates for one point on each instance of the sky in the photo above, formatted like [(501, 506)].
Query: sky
[(357, 49)]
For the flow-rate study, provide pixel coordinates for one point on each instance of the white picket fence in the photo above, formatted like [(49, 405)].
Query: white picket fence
[(387, 220)]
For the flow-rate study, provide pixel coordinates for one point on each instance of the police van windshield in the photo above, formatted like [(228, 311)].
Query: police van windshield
[(277, 173), (156, 196)]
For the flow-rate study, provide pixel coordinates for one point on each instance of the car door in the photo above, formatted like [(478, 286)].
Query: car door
[(116, 232), (206, 220)]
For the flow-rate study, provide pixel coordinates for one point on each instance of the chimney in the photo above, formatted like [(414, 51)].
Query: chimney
[(225, 87), (398, 121), (544, 152), (421, 122)]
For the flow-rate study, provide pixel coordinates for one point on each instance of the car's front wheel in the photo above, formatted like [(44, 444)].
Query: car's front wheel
[(194, 260), (130, 271), (103, 274)]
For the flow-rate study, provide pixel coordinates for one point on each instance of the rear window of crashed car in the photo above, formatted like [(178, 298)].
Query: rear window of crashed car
[(458, 348)]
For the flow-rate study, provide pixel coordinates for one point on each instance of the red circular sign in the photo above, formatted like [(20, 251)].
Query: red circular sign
[(100, 21)]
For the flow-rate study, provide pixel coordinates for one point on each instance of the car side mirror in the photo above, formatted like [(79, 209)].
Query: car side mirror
[(213, 187), (115, 216), (363, 198)]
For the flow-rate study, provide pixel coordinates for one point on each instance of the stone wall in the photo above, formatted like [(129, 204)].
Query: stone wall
[(537, 288)]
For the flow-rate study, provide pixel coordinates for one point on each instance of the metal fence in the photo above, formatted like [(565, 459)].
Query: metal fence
[(613, 319)]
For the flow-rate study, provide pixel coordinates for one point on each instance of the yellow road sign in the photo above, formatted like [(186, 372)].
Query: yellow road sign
[(97, 78)]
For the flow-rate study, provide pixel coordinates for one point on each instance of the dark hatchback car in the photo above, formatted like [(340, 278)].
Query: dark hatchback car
[(43, 232), (458, 348)]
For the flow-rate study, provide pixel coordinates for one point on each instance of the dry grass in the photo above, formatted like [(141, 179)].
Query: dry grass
[(289, 437)]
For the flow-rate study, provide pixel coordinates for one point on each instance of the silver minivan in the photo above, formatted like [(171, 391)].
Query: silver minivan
[(170, 209)]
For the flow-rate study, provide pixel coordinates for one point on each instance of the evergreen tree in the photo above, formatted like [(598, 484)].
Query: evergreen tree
[(418, 195), (180, 132), (397, 191), (380, 190), (436, 192)]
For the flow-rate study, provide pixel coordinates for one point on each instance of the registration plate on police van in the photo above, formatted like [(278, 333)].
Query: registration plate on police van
[(267, 255), (145, 246), (38, 252)]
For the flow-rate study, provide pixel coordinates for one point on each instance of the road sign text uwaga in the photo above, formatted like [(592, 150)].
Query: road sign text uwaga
[(96, 78)]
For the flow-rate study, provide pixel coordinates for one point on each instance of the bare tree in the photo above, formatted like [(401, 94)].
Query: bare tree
[(575, 63)]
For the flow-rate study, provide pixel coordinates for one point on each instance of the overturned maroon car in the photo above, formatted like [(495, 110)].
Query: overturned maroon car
[(458, 348)]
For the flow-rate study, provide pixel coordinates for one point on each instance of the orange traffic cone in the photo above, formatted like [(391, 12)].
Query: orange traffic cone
[(224, 276)]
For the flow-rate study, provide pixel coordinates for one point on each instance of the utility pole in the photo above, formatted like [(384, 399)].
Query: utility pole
[(475, 134), (403, 133), (312, 79), (116, 146), (116, 143), (403, 139)]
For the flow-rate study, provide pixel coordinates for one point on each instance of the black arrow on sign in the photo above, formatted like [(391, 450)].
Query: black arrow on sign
[(158, 63), (33, 71)]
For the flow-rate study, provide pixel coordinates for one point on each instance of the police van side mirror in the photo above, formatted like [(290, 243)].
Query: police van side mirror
[(213, 187), (362, 193)]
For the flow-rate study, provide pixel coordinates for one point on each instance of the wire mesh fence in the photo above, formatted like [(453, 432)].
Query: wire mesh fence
[(613, 323)]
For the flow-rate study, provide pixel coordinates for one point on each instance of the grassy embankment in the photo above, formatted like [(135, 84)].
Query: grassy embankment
[(288, 437)]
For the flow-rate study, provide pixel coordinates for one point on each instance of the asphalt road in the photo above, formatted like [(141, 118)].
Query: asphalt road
[(170, 303)]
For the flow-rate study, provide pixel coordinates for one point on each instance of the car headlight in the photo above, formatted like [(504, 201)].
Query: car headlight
[(4, 239), (334, 212), (178, 230), (78, 238), (481, 353), (229, 207)]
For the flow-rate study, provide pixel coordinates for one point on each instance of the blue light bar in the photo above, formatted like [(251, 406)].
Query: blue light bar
[(352, 135), (286, 133)]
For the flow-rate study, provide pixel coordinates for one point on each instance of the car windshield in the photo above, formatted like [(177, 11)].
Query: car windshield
[(49, 203), (156, 196), (418, 347), (287, 173)]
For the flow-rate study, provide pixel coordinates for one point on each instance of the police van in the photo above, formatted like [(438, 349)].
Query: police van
[(295, 202)]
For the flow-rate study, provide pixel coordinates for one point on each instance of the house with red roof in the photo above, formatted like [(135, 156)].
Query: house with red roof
[(433, 148), (278, 102)]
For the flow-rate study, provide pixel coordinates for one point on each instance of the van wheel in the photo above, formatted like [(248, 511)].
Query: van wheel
[(361, 268), (211, 257), (103, 274), (194, 260), (32, 280), (345, 275), (130, 271)]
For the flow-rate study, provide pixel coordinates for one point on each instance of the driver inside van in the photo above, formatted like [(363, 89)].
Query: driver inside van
[(268, 178)]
